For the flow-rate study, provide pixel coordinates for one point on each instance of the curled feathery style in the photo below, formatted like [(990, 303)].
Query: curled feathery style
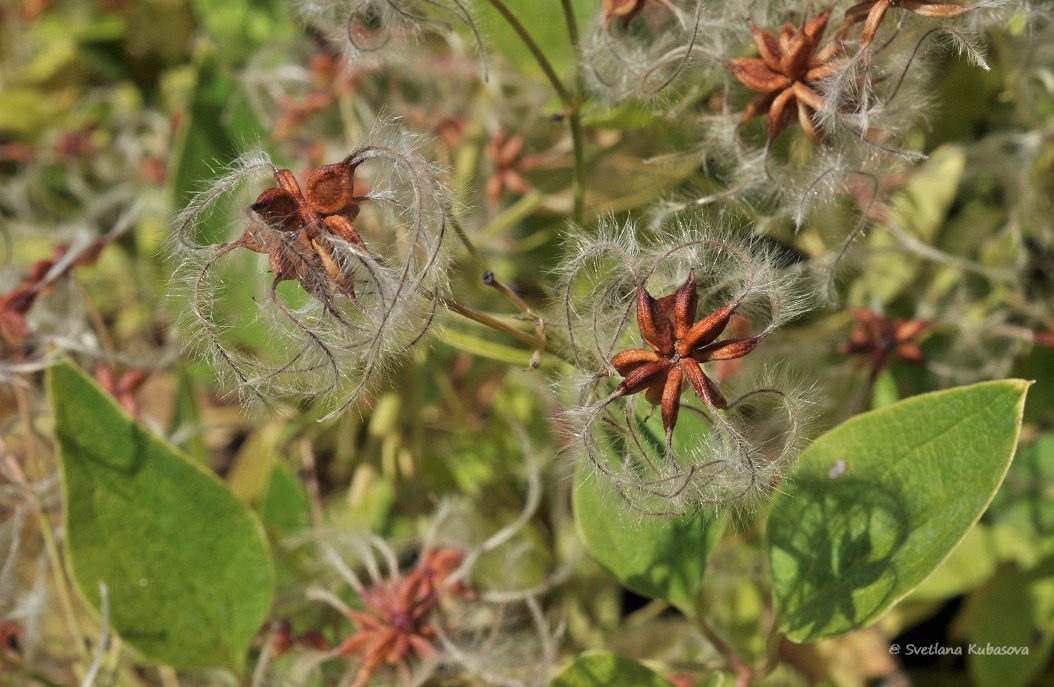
[(372, 30), (356, 260), (659, 324), (639, 48)]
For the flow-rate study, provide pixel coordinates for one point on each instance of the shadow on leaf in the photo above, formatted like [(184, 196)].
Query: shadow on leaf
[(832, 555)]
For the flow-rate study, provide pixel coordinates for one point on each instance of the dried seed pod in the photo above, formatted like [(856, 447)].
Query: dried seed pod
[(365, 297), (278, 209), (710, 443)]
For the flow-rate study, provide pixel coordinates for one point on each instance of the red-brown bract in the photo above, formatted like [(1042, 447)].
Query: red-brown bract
[(678, 344), (786, 75)]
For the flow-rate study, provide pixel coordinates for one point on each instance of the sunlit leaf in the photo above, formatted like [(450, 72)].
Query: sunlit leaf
[(912, 479), (917, 211)]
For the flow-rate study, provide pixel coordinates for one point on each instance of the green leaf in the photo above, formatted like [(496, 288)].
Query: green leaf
[(885, 392), (968, 567), (186, 565), (285, 505), (1026, 499), (245, 26), (600, 669), (483, 348), (663, 558), (881, 500), (220, 127), (1015, 617), (186, 420)]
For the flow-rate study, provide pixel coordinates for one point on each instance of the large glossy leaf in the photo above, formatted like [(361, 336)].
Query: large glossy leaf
[(663, 558), (186, 565), (968, 567), (599, 669), (881, 500)]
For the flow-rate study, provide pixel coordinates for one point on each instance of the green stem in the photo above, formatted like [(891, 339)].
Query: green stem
[(736, 665), (572, 23), (54, 558), (578, 144), (575, 116), (59, 580), (467, 243), (514, 214), (488, 321), (539, 56)]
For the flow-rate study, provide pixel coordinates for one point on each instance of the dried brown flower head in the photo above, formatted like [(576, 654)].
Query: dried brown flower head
[(294, 221), (878, 338), (352, 307), (787, 74), (38, 280), (678, 344), (505, 153), (395, 626)]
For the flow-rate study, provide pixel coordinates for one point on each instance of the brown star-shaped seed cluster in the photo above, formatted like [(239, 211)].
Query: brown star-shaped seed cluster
[(289, 225), (786, 76), (876, 339), (395, 627), (678, 344)]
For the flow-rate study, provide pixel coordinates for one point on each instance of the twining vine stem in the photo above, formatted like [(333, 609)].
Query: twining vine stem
[(575, 115), (572, 100)]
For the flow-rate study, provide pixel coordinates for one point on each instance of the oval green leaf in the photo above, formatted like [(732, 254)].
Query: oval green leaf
[(881, 500), (186, 565), (600, 669), (663, 558)]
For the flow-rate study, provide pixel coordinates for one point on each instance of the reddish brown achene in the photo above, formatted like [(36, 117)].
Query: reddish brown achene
[(300, 219), (11, 641), (678, 344), (785, 77), (395, 628)]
